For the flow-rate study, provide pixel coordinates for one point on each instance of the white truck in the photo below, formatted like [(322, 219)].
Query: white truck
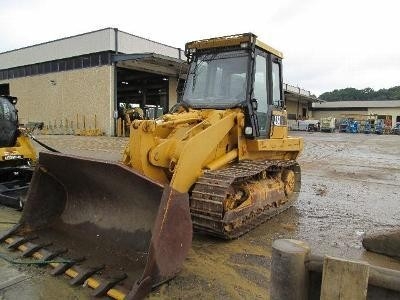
[(328, 124), (304, 125)]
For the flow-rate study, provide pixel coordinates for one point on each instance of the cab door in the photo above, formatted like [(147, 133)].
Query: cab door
[(261, 91), (278, 127)]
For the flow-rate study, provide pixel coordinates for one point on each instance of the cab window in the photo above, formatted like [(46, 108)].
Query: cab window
[(276, 82), (260, 92)]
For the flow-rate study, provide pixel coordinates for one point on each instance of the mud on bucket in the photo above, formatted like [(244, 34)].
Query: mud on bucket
[(111, 215)]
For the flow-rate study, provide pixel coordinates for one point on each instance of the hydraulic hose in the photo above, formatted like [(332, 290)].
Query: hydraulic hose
[(43, 144)]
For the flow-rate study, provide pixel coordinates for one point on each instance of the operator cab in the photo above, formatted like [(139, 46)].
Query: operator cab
[(236, 71), (8, 121)]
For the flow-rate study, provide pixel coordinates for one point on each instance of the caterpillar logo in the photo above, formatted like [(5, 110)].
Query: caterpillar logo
[(12, 157), (279, 120)]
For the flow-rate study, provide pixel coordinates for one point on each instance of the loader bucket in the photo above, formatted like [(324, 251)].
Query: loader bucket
[(112, 216)]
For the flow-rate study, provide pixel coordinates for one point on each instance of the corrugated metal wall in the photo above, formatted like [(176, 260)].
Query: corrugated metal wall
[(128, 43), (92, 42)]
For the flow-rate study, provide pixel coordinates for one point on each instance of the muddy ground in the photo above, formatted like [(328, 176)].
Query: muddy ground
[(350, 185)]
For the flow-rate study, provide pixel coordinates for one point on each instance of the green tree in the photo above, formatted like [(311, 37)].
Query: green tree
[(368, 93)]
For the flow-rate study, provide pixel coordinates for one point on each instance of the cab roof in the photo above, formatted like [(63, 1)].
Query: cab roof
[(232, 40)]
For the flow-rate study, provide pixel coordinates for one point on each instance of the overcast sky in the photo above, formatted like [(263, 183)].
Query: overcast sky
[(327, 44)]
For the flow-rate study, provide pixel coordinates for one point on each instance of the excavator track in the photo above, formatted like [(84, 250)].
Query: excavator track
[(213, 187)]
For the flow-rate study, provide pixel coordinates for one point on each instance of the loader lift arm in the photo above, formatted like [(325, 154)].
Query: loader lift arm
[(176, 155)]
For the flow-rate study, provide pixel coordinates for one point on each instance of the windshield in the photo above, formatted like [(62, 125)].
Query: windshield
[(217, 79)]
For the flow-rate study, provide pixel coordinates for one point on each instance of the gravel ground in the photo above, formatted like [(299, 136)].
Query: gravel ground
[(350, 185)]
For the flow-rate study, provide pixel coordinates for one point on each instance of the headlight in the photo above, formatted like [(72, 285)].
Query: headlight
[(248, 130)]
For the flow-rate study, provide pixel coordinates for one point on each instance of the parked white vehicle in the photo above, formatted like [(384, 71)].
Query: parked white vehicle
[(328, 124), (304, 125)]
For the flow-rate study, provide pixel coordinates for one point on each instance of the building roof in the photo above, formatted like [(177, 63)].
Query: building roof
[(133, 51), (358, 104), (107, 39), (293, 93), (152, 62)]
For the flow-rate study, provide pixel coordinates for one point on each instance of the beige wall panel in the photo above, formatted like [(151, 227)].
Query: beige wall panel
[(394, 112), (59, 96), (172, 95), (318, 114), (291, 107)]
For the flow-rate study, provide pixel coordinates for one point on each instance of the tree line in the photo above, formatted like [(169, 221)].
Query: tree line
[(348, 94)]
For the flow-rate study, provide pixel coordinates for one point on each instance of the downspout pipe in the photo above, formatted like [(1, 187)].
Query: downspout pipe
[(115, 82)]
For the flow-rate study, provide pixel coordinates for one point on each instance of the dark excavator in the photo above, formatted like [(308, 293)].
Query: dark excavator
[(17, 155)]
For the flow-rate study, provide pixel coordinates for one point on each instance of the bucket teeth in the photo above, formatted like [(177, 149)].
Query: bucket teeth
[(5, 235), (62, 267), (34, 248), (51, 255), (18, 241), (84, 273), (108, 284), (70, 203)]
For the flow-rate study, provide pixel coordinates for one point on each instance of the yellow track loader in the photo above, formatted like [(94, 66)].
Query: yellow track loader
[(221, 162), (17, 155)]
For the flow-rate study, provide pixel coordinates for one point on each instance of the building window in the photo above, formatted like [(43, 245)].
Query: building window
[(35, 69), (46, 67), (54, 66), (78, 63), (94, 60), (70, 64), (84, 61), (40, 68), (104, 58), (22, 72), (28, 70), (61, 65)]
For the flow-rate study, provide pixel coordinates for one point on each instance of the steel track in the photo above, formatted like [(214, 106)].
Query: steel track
[(210, 191)]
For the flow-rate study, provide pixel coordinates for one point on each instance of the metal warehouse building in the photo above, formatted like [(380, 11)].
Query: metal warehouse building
[(338, 109), (96, 73)]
